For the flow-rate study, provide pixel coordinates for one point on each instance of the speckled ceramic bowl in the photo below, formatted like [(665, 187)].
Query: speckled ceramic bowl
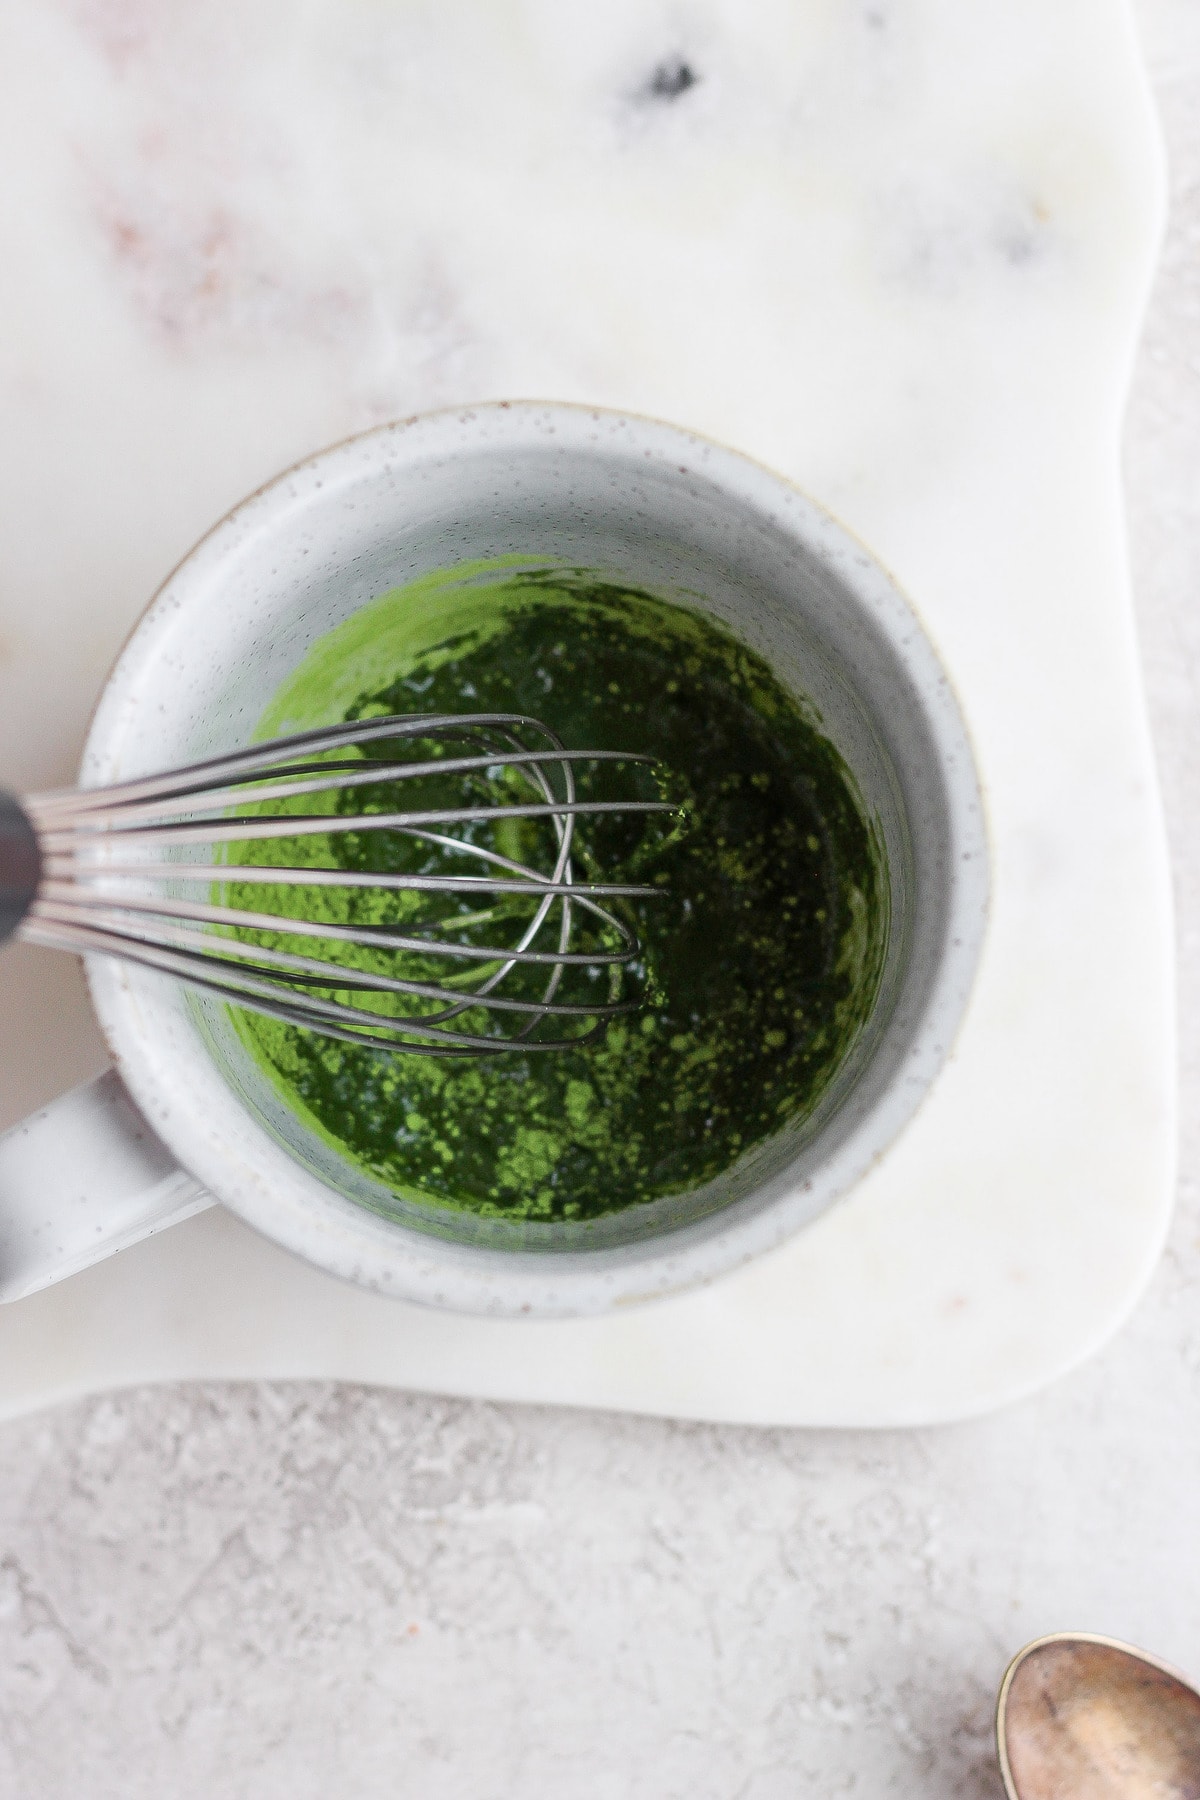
[(669, 511)]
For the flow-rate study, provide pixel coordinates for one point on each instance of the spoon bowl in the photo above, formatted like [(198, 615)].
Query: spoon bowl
[(1081, 1717)]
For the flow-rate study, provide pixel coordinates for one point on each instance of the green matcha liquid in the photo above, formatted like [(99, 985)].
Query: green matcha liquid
[(762, 949)]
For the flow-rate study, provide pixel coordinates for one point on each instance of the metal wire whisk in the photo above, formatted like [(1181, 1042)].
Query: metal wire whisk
[(169, 872)]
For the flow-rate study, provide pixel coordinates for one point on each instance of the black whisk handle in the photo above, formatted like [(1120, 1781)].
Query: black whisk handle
[(20, 864)]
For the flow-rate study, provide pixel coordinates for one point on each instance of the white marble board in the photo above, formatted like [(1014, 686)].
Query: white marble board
[(898, 249)]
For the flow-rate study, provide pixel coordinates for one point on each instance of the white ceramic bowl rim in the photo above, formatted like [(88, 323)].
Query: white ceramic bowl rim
[(212, 1134)]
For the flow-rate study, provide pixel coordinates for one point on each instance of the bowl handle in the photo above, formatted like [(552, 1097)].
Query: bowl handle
[(81, 1179)]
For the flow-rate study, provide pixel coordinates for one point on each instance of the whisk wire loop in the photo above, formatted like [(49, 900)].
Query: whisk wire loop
[(119, 877)]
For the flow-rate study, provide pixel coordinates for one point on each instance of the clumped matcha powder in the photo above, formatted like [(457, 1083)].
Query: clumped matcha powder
[(763, 946)]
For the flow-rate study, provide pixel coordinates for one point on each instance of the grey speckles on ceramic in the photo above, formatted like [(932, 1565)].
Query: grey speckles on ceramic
[(662, 508)]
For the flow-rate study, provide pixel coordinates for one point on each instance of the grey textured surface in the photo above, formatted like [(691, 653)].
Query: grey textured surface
[(301, 1592)]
